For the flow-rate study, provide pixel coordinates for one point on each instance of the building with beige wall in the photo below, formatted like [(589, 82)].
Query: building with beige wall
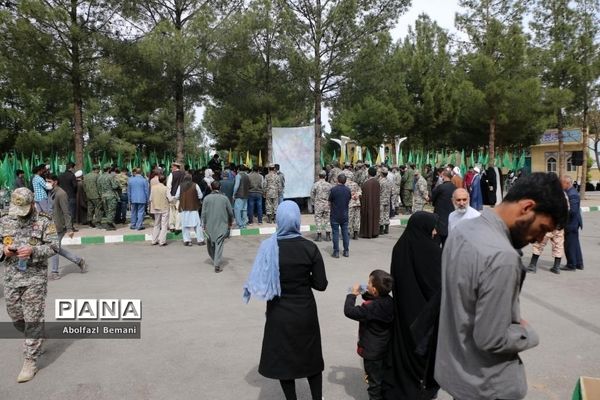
[(544, 156)]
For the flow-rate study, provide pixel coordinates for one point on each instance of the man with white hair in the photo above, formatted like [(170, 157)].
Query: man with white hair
[(462, 209)]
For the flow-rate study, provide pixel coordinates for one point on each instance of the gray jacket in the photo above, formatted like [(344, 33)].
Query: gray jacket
[(480, 335)]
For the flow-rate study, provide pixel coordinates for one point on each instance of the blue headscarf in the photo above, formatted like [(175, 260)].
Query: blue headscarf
[(263, 281)]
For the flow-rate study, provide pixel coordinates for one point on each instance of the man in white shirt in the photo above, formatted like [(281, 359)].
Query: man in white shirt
[(462, 209)]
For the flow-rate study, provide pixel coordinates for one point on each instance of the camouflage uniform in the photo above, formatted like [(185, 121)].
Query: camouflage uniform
[(25, 291), (396, 189), (557, 239), (354, 206), (360, 176), (94, 203), (333, 174), (122, 179), (349, 173), (384, 200), (406, 189), (421, 194), (319, 195), (273, 189), (107, 187)]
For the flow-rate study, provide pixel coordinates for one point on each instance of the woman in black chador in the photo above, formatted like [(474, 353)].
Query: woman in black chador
[(286, 269), (416, 269)]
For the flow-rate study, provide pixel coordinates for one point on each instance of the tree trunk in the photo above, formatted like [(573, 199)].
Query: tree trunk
[(76, 89), (584, 167), (270, 97), (270, 137), (561, 147), (492, 143), (317, 88), (179, 116)]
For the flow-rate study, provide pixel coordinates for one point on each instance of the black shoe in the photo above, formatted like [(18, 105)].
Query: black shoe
[(336, 254), (141, 228), (202, 243), (355, 237), (568, 268), (218, 269), (386, 229), (111, 227), (327, 236), (381, 229), (187, 243), (580, 267), (318, 239), (92, 225), (346, 253), (532, 268)]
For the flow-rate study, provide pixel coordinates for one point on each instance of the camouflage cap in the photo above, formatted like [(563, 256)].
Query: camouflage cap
[(20, 202)]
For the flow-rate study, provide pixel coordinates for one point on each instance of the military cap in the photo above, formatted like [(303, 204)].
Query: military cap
[(20, 202)]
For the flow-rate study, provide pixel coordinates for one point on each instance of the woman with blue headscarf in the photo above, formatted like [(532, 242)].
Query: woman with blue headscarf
[(286, 269)]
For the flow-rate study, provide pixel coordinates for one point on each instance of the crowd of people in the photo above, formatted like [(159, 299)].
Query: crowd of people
[(445, 316), (420, 326)]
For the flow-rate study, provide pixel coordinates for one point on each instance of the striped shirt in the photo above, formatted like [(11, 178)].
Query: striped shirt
[(39, 188)]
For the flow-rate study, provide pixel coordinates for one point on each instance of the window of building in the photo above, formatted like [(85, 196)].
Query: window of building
[(551, 164), (570, 166)]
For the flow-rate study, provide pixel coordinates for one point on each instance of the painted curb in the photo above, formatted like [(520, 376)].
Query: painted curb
[(402, 221)]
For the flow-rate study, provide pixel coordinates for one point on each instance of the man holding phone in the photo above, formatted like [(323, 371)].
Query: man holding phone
[(27, 239)]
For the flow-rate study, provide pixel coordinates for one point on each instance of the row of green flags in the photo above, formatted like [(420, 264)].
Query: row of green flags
[(10, 162), (508, 160)]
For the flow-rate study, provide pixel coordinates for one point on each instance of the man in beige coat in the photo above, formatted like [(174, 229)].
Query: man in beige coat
[(159, 207)]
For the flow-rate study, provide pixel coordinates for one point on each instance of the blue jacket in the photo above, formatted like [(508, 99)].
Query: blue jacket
[(137, 189), (476, 195), (575, 221)]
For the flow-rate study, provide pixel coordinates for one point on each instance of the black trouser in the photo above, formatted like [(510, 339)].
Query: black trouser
[(374, 372), (316, 387)]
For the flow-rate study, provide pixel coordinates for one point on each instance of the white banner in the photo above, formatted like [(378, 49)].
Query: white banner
[(294, 151)]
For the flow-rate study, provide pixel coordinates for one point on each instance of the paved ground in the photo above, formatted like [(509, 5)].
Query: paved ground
[(199, 341)]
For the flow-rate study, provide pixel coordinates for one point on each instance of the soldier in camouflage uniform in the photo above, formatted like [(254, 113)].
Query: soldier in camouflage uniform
[(396, 183), (360, 175), (421, 193), (406, 188), (108, 187), (27, 240), (273, 189), (333, 174), (354, 208), (384, 202), (319, 195), (348, 171), (122, 180), (94, 202)]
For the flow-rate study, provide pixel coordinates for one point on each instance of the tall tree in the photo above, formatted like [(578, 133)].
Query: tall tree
[(373, 104), (180, 34), (587, 57), (496, 65), (68, 34), (328, 34), (425, 58), (555, 27), (254, 78)]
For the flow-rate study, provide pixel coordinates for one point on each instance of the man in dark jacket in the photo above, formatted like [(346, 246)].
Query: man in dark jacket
[(68, 183), (574, 223), (62, 218), (339, 200), (375, 316), (441, 197)]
